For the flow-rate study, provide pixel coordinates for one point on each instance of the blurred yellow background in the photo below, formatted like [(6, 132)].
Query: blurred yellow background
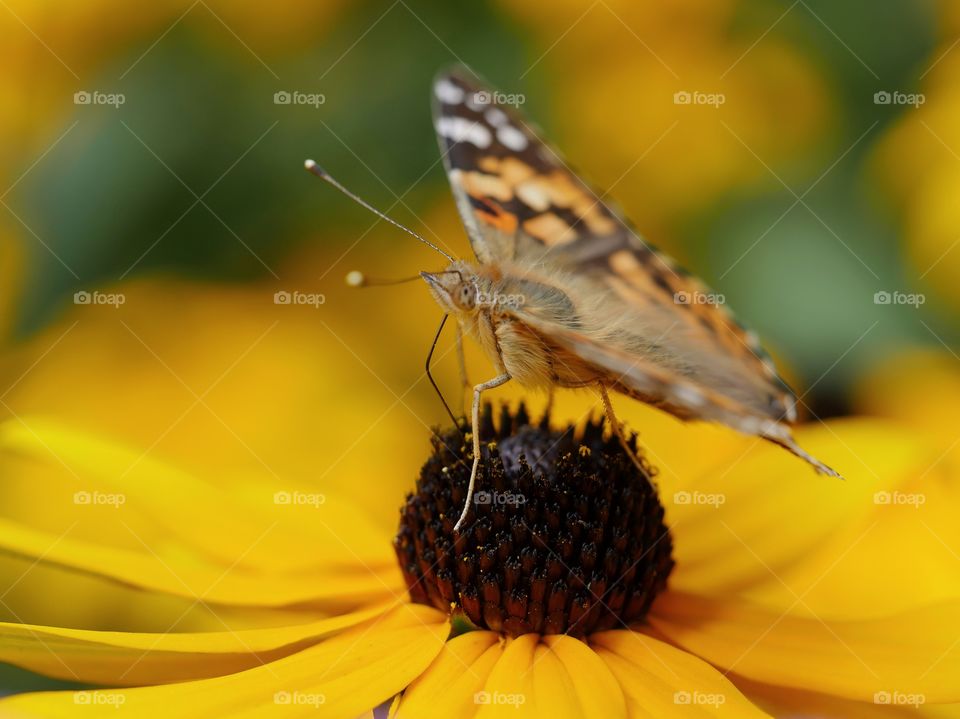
[(149, 156)]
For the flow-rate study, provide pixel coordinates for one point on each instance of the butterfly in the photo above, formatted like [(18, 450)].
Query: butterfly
[(565, 293)]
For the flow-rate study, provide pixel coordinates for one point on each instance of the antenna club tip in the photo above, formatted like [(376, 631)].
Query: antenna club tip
[(311, 166), (355, 279)]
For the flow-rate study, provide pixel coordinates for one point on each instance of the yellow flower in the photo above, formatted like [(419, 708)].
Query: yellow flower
[(221, 381), (52, 55), (680, 102), (918, 387), (918, 158), (278, 596)]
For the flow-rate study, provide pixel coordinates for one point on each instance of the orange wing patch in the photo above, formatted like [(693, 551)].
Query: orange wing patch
[(512, 170), (495, 216), (499, 181), (549, 229)]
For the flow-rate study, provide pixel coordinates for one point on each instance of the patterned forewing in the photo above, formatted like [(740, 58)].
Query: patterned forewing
[(526, 210)]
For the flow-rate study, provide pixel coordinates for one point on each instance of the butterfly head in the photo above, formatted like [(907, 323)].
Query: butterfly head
[(456, 289)]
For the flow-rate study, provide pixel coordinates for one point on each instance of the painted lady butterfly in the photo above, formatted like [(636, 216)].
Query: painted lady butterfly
[(566, 294)]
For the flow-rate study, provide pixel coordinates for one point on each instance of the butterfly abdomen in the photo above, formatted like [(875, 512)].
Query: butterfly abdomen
[(523, 354), (536, 362)]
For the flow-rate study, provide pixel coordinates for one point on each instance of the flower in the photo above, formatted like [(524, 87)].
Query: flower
[(566, 537), (315, 619), (675, 95), (918, 161), (218, 381)]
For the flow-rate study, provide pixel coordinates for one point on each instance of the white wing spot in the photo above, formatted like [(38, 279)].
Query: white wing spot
[(791, 409), (755, 425), (512, 138), (460, 129), (495, 116), (688, 395), (447, 92), (769, 428), (478, 100)]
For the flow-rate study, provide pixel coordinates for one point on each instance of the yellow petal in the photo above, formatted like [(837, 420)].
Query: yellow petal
[(133, 658), (191, 579), (341, 678), (266, 375), (594, 689), (553, 692), (265, 531), (449, 685), (509, 689), (748, 523), (917, 387), (36, 592), (902, 555), (783, 702), (913, 652), (659, 680), (554, 677), (940, 711)]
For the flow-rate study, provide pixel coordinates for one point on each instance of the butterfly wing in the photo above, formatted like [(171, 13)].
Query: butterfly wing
[(645, 376), (663, 335), (513, 191)]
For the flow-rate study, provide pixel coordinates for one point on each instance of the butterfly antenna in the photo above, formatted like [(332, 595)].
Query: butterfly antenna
[(314, 168), (356, 278)]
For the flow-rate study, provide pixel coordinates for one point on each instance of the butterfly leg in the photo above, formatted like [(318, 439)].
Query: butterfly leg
[(618, 429), (462, 362), (433, 382), (475, 429)]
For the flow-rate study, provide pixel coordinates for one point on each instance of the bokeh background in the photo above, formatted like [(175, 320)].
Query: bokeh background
[(145, 157)]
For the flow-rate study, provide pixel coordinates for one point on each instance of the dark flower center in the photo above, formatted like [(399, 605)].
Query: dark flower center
[(564, 535)]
